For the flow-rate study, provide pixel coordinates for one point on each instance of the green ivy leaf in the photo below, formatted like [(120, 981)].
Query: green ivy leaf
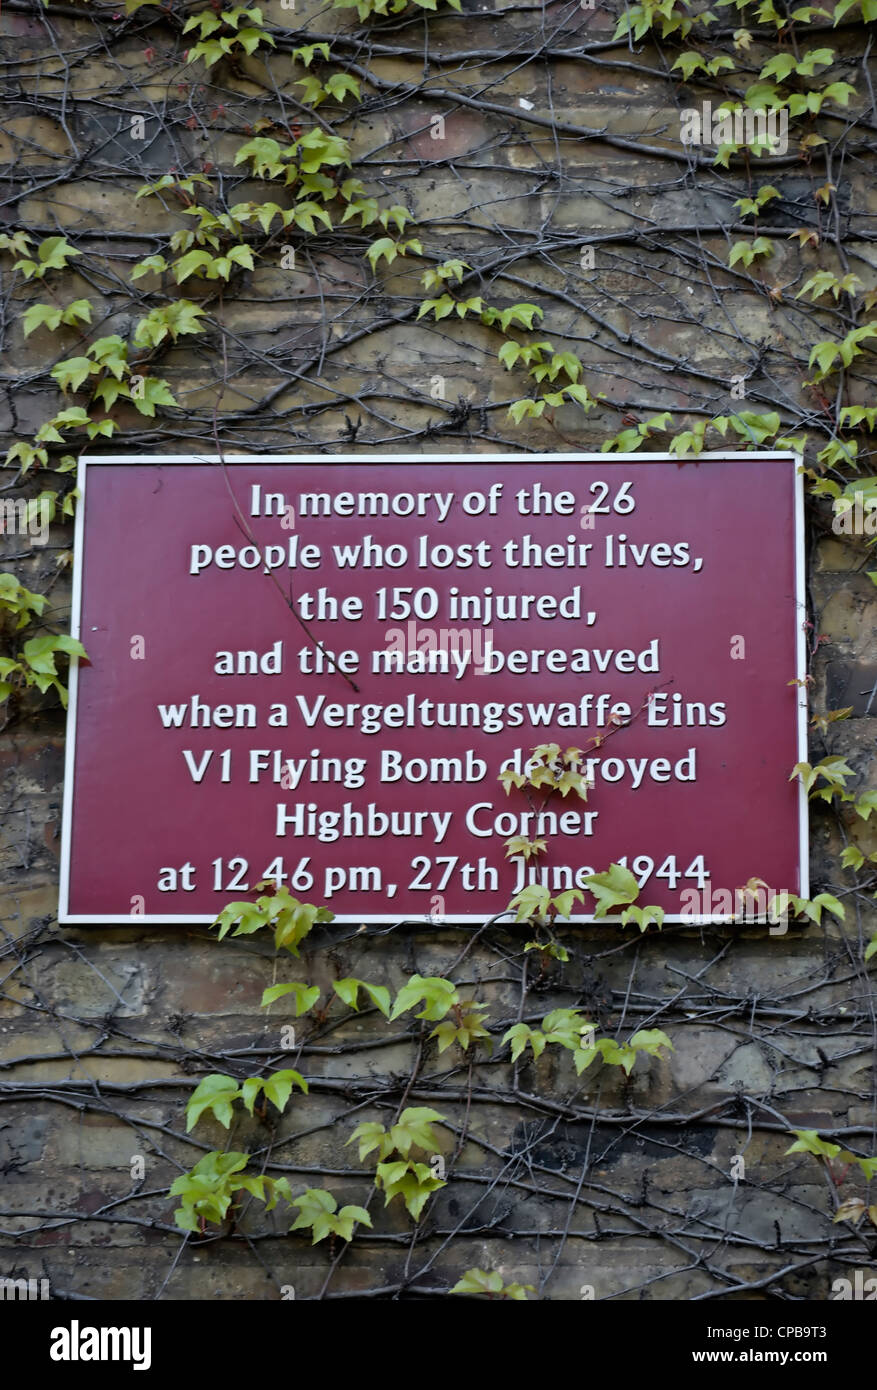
[(438, 995), (215, 1093), (808, 1141), (154, 391), (278, 1086), (71, 373), (39, 314), (305, 996), (348, 991), (612, 888), (480, 1281)]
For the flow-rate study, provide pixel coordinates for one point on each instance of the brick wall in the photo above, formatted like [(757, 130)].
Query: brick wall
[(623, 1186)]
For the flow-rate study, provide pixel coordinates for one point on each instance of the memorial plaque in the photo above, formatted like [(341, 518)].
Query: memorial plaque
[(314, 670)]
